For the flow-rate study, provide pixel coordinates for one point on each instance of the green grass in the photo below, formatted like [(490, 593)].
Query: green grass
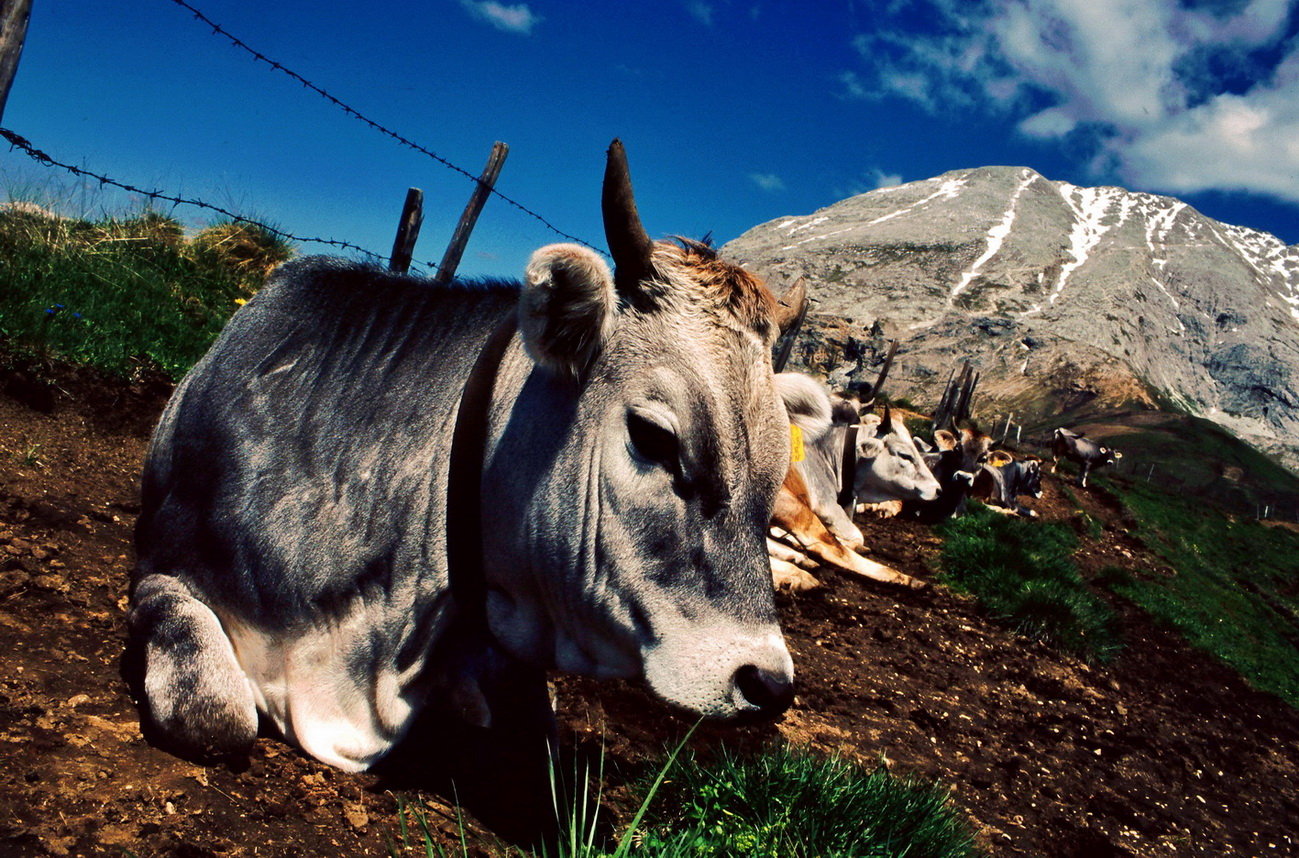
[(1235, 593), (123, 293), (781, 802), (1024, 575), (788, 803)]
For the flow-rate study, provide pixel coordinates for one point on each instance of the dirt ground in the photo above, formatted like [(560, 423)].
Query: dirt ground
[(1164, 753)]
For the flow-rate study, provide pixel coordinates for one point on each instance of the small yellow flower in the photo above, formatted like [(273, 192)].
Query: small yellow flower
[(239, 302)]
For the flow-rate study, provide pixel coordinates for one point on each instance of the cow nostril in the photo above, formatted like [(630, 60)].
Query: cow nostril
[(771, 693)]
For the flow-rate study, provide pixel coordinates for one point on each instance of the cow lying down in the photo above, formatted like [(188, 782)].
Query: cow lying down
[(293, 539), (837, 460), (1003, 479)]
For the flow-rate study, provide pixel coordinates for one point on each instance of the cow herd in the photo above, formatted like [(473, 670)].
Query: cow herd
[(373, 496), (848, 459)]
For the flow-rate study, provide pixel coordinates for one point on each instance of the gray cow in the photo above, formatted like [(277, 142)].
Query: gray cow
[(293, 539), (889, 465), (1003, 479), (1084, 452)]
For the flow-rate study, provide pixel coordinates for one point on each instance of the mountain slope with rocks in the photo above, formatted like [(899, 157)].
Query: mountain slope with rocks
[(1059, 295)]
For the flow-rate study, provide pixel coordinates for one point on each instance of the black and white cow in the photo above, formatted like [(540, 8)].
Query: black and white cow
[(296, 521), (1084, 452), (1004, 479)]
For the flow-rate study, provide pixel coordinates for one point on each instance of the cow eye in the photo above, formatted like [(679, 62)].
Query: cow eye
[(652, 441)]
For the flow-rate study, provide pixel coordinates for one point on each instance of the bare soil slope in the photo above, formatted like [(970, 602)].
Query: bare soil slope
[(1163, 753)]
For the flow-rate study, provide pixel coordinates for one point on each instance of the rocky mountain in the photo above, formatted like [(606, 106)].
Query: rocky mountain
[(1061, 296)]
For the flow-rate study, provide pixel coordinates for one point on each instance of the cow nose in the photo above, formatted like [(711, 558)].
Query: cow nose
[(771, 693)]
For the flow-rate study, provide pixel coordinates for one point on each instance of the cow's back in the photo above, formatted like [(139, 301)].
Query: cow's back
[(324, 408), (296, 481)]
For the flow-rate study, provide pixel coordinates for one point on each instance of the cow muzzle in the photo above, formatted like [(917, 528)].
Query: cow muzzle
[(768, 693), (719, 673)]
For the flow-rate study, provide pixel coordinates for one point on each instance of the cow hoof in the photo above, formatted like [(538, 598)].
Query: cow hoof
[(917, 584), (789, 578)]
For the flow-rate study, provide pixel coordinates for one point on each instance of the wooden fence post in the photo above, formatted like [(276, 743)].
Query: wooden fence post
[(451, 259), (13, 30), (412, 217)]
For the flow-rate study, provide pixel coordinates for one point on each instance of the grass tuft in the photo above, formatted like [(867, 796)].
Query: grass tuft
[(782, 802), (789, 803)]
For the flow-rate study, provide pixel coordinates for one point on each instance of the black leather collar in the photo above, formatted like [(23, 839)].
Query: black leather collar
[(465, 478), (848, 467)]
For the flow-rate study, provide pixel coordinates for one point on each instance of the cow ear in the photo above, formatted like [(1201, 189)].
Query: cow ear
[(1000, 458), (944, 439), (869, 446), (567, 307)]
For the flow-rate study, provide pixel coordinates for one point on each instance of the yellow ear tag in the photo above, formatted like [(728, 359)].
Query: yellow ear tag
[(795, 443)]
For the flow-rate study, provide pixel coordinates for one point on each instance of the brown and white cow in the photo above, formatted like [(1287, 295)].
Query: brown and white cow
[(813, 508)]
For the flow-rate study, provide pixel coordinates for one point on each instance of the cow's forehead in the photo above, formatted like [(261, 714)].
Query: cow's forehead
[(689, 278)]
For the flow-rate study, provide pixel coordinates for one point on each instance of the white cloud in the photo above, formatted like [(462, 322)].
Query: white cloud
[(768, 182), (701, 12), (1178, 99), (512, 19), (886, 180), (1231, 142)]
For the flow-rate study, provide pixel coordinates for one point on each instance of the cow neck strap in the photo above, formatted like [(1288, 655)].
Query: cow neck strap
[(465, 477), (848, 466)]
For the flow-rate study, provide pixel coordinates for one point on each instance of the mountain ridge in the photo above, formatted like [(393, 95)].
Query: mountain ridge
[(1059, 294)]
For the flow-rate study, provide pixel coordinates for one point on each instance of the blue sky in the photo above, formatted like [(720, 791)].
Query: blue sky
[(733, 112)]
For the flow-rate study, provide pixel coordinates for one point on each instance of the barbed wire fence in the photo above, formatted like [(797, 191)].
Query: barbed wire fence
[(19, 142), (258, 56)]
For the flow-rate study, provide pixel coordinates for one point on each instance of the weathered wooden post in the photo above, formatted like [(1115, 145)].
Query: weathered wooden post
[(796, 295), (460, 238), (412, 217), (13, 31), (884, 373)]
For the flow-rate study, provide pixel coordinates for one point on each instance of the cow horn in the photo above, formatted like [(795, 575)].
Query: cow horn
[(792, 305), (886, 423), (629, 244)]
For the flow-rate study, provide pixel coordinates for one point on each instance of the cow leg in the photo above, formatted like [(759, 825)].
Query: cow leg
[(1082, 475), (834, 554), (787, 576), (195, 693), (778, 550), (1054, 461)]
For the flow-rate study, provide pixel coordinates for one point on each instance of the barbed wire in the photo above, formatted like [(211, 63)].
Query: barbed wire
[(217, 29), (49, 161)]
